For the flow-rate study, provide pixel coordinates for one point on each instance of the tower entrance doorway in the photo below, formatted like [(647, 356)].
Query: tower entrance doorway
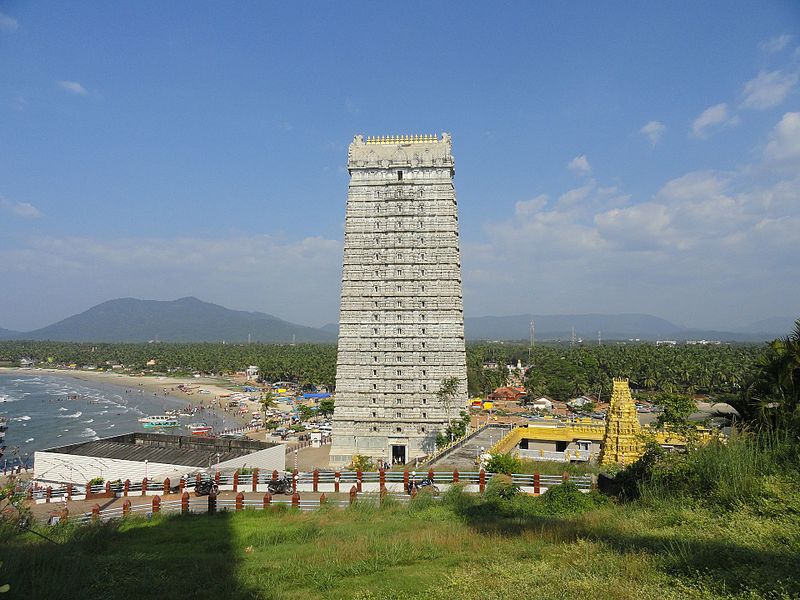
[(398, 455)]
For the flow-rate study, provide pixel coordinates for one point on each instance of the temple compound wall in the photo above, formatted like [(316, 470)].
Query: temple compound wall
[(401, 324)]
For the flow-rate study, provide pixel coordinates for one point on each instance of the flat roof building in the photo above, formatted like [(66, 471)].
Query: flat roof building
[(135, 456)]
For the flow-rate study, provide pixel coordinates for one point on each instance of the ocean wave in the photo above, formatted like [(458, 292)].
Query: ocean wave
[(63, 408), (89, 433), (22, 418), (89, 421), (73, 416), (5, 399), (110, 426), (29, 440)]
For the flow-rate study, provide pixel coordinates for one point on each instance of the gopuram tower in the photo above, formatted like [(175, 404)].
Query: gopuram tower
[(401, 322)]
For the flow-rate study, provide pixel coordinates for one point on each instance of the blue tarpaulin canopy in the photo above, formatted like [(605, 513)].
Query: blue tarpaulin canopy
[(309, 396)]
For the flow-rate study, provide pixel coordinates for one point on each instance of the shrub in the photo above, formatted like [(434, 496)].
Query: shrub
[(501, 487), (502, 463), (361, 462), (567, 499), (96, 481)]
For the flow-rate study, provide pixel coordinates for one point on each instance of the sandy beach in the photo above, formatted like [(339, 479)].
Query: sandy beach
[(216, 398)]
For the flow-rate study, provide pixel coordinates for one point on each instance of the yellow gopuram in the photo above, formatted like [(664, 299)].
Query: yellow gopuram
[(622, 439)]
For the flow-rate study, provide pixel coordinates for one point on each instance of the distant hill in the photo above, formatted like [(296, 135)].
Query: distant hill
[(183, 320), (551, 327), (192, 320), (774, 327), (612, 327), (7, 334)]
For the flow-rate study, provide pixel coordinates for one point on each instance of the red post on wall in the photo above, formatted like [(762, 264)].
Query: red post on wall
[(108, 488), (216, 477), (381, 478), (156, 504), (315, 480), (185, 502), (69, 491), (455, 475), (95, 512), (235, 481), (144, 486), (322, 499), (274, 475), (239, 501), (482, 481), (166, 485), (536, 484), (336, 477), (295, 478), (267, 499), (126, 507), (88, 490), (353, 494), (255, 480), (405, 481), (564, 477), (295, 500), (182, 485), (126, 487), (359, 479), (48, 494)]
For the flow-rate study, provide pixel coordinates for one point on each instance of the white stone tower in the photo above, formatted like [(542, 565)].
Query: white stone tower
[(401, 323)]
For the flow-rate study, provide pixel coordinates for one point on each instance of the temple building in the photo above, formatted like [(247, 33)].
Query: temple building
[(401, 323)]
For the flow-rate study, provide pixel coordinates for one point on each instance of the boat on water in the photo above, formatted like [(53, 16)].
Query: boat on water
[(159, 421), (200, 429)]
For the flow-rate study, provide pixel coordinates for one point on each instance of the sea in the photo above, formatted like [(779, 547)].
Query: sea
[(47, 411)]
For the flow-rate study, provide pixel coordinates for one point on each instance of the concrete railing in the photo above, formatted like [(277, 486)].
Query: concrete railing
[(315, 481)]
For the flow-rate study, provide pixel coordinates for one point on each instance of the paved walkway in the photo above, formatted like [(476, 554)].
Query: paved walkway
[(464, 458)]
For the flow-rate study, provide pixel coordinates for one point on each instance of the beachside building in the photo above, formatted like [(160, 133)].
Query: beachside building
[(401, 324), (135, 456)]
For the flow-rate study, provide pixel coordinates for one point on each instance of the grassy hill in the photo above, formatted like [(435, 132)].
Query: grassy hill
[(723, 539), (182, 320)]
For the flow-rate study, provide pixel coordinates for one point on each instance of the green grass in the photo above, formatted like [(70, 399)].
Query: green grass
[(562, 545)]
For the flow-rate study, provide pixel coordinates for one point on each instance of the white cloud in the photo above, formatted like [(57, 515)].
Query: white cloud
[(711, 119), (768, 89), (784, 142), (580, 165), (21, 209), (575, 195), (73, 87), (8, 23), (271, 270), (701, 248), (653, 130), (775, 44), (527, 208)]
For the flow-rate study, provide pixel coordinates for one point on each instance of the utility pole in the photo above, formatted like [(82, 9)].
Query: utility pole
[(533, 341)]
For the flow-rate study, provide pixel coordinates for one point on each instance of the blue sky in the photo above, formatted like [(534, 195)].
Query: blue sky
[(614, 157)]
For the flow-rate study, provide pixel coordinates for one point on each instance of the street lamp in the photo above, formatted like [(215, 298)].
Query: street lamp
[(295, 459)]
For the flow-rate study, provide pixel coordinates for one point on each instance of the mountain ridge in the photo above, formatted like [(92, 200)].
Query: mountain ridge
[(189, 319), (186, 319)]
